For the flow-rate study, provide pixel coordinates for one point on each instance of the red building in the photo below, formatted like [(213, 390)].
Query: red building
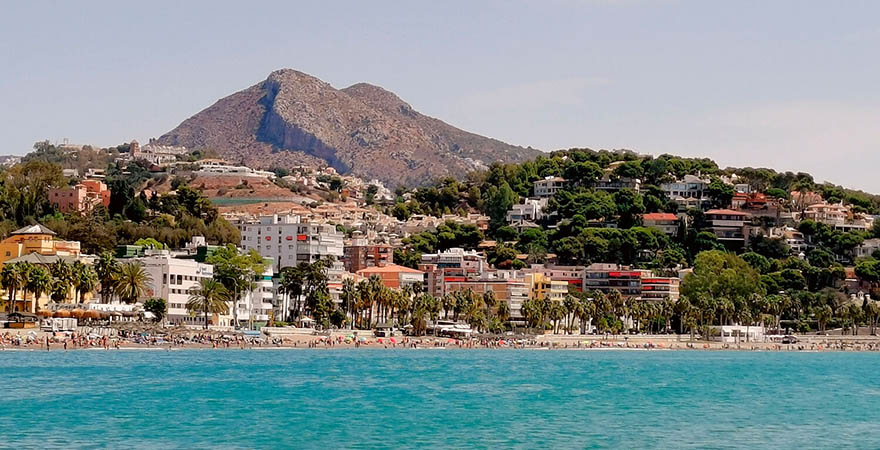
[(359, 257)]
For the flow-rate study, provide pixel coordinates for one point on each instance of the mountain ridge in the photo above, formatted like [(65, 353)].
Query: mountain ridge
[(294, 118)]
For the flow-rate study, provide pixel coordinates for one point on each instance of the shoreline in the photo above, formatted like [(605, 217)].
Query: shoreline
[(598, 346), (213, 340)]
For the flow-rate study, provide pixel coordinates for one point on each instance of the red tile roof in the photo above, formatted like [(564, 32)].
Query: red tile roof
[(659, 216), (726, 212), (388, 268)]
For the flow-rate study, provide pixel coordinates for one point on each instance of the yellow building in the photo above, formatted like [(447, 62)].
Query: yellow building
[(35, 239), (37, 245), (543, 287)]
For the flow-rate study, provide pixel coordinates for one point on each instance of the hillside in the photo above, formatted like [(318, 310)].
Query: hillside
[(292, 118)]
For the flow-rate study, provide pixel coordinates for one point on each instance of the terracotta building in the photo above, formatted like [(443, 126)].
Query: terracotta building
[(80, 198)]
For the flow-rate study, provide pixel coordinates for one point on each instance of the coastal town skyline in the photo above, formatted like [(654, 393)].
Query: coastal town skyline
[(711, 88), (461, 224)]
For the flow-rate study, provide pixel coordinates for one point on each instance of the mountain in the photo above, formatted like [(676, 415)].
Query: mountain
[(293, 118)]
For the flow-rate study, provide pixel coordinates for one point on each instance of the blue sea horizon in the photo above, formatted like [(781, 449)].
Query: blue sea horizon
[(401, 398)]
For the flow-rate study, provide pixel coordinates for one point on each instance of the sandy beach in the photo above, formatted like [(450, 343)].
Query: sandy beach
[(55, 341)]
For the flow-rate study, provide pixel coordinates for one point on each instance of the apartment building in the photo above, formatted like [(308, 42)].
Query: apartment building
[(359, 254), (172, 279), (659, 288), (612, 277), (454, 262), (287, 241)]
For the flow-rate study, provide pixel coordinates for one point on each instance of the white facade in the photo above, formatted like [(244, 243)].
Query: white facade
[(171, 279), (530, 210), (287, 241), (549, 186), (257, 305)]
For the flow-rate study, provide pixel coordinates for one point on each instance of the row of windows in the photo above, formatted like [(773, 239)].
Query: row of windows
[(179, 279)]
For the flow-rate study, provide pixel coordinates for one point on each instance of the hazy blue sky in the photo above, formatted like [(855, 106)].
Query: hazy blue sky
[(786, 84)]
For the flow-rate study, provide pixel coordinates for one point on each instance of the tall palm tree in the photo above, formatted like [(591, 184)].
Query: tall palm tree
[(374, 291), (39, 282), (62, 275), (133, 280), (84, 280), (11, 280), (107, 269), (210, 296), (292, 287), (349, 299)]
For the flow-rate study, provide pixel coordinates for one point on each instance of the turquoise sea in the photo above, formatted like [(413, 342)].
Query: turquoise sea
[(438, 398)]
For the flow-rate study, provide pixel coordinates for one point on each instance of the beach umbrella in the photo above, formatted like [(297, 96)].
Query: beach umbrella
[(91, 314), (44, 313), (77, 313), (62, 313)]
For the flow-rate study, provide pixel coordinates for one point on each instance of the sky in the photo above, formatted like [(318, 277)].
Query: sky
[(790, 85)]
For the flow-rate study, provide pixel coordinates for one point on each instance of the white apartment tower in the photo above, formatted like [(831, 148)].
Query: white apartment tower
[(287, 241)]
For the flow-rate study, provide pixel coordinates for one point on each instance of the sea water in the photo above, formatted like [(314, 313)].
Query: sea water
[(396, 398)]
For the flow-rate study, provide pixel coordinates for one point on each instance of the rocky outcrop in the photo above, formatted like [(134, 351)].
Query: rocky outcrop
[(293, 118)]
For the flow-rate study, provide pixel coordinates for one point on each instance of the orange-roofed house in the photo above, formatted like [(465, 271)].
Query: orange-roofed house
[(665, 222), (394, 276)]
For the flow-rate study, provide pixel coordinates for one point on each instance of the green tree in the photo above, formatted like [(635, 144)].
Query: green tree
[(38, 282), (132, 282), (237, 271), (208, 297), (157, 307), (12, 280), (500, 201), (84, 280), (107, 269)]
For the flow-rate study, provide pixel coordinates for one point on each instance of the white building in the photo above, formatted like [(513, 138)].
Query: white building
[(171, 279), (688, 192), (866, 248), (531, 210), (549, 186), (215, 167), (287, 241), (257, 305)]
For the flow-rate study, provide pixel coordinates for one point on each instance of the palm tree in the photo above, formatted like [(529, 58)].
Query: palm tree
[(210, 296), (84, 280), (292, 287), (39, 281), (448, 303), (557, 313), (503, 311), (374, 291), (61, 280), (133, 280), (349, 299), (11, 280), (107, 269)]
